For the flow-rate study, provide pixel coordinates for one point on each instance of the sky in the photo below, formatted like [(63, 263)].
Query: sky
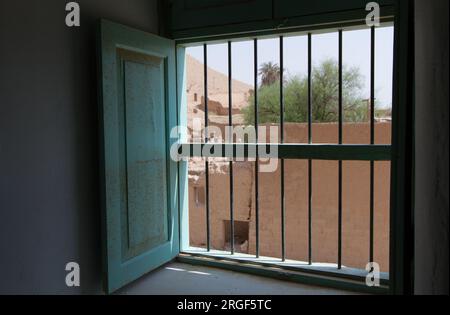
[(356, 53)]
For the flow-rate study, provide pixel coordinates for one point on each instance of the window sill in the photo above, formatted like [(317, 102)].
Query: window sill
[(320, 274)]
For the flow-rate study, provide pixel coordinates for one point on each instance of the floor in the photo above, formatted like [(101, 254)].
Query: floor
[(182, 279)]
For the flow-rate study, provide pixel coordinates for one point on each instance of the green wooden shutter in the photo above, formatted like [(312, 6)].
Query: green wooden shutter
[(138, 109)]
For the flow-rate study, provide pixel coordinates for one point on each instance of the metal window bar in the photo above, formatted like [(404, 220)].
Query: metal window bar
[(310, 142), (205, 78), (340, 161), (325, 152), (372, 137), (255, 56), (282, 197), (230, 120)]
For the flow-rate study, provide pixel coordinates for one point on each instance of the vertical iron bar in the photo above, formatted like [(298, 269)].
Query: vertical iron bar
[(310, 142), (208, 228), (340, 162), (230, 119), (283, 203), (281, 90), (372, 137), (255, 59)]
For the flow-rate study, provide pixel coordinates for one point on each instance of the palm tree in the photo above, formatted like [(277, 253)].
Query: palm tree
[(270, 73)]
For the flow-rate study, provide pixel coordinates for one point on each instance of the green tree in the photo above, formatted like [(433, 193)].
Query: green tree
[(325, 97), (270, 73)]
